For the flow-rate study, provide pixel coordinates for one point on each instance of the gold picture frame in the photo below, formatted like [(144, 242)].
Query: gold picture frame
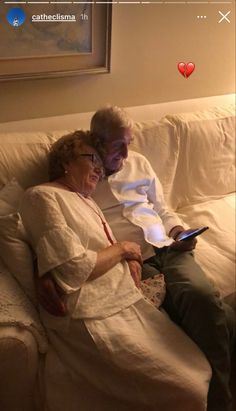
[(95, 60)]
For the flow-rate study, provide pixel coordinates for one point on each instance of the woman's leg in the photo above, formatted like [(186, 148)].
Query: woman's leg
[(137, 356)]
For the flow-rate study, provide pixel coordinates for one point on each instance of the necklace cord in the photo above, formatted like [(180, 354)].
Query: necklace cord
[(96, 212)]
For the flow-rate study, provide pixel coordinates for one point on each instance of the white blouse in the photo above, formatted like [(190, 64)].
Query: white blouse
[(66, 233)]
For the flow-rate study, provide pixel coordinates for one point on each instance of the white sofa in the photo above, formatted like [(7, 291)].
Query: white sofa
[(193, 155)]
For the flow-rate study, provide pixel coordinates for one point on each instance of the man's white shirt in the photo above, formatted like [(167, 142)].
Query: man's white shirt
[(133, 203)]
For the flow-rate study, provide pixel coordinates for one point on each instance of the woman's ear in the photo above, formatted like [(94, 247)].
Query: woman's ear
[(66, 167)]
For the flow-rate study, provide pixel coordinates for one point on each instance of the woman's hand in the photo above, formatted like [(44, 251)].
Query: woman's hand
[(131, 251), (135, 271), (50, 295), (114, 254)]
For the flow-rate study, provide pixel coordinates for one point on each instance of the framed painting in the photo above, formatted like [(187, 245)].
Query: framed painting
[(43, 39)]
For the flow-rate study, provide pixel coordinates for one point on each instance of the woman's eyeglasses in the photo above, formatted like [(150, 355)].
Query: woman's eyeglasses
[(97, 162)]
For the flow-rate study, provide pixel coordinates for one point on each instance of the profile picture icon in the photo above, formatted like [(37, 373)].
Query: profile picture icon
[(16, 17)]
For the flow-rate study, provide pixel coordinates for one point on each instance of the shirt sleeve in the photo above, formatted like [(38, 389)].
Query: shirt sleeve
[(54, 242), (156, 197)]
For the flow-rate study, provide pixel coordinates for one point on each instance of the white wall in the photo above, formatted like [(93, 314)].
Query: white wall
[(147, 43)]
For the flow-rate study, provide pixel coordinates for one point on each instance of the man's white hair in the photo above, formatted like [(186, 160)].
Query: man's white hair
[(108, 119)]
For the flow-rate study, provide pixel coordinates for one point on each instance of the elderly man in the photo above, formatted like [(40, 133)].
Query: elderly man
[(132, 201)]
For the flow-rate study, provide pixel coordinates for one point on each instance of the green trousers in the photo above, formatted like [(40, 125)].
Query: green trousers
[(194, 304)]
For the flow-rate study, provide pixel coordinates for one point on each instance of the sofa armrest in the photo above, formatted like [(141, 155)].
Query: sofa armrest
[(16, 310), (19, 365)]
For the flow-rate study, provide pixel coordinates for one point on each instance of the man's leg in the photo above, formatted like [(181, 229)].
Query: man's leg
[(193, 303), (149, 270)]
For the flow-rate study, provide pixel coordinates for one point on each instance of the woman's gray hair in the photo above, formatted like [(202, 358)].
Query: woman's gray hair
[(108, 119), (66, 149)]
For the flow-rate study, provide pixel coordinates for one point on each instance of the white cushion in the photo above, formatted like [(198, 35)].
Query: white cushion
[(16, 254), (10, 197), (206, 164), (24, 155), (215, 250)]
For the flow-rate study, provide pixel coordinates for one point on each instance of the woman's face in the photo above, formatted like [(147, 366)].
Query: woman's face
[(85, 171)]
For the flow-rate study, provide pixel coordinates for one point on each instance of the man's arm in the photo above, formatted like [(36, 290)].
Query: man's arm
[(171, 221), (50, 295), (156, 196)]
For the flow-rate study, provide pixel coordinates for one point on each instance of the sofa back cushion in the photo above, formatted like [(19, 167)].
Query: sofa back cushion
[(191, 153), (206, 163), (23, 156)]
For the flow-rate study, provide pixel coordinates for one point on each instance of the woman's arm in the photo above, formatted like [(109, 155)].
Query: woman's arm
[(69, 277), (51, 295), (110, 256), (59, 250)]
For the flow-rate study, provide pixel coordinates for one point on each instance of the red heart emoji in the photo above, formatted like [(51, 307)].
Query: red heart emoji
[(186, 69)]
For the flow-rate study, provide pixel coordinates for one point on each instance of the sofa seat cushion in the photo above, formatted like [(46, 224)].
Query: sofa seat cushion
[(215, 251)]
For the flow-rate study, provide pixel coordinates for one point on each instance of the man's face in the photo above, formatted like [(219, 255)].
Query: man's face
[(116, 150)]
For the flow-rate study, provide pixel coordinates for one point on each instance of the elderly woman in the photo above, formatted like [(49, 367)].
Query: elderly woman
[(112, 339)]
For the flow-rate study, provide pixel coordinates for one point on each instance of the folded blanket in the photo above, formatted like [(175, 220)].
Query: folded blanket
[(17, 310)]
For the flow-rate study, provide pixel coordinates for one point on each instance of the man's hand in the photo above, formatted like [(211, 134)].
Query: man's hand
[(50, 295), (186, 245), (135, 271)]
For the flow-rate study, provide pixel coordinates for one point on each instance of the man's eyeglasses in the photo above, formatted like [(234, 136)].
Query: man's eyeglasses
[(96, 161)]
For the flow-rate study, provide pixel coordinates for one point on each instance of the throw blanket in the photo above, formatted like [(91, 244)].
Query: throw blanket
[(154, 289), (17, 310)]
